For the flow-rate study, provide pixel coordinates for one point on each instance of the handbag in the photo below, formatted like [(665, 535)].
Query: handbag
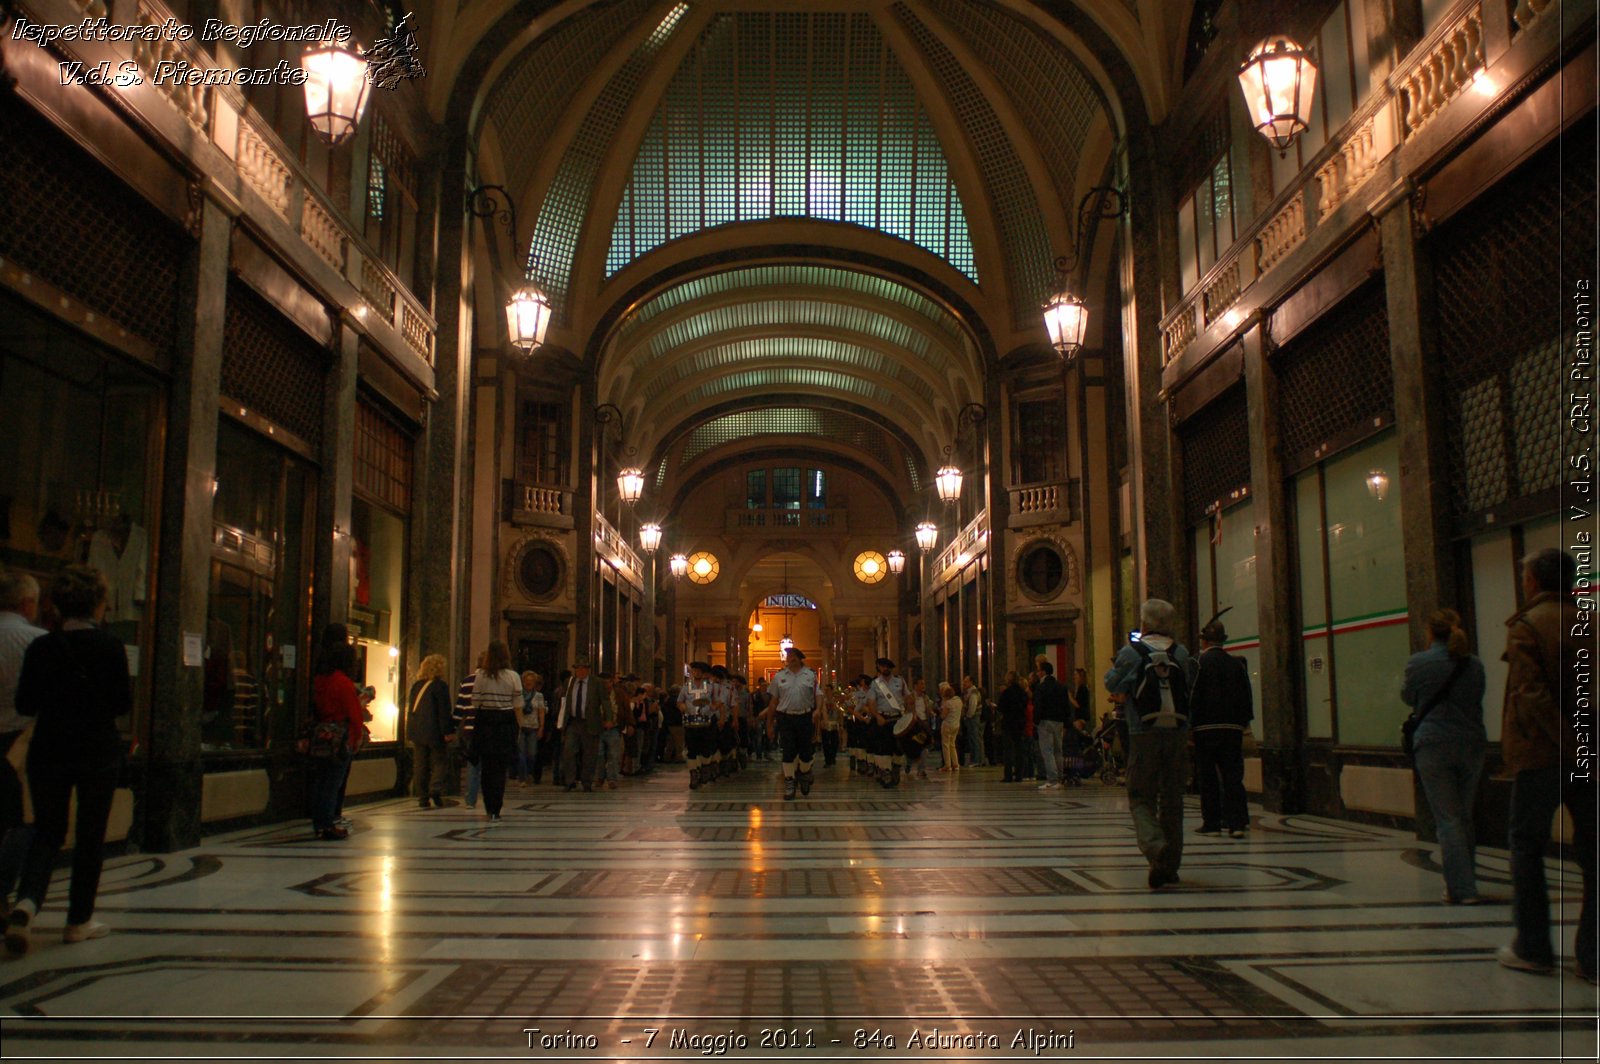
[(328, 740), (1408, 727)]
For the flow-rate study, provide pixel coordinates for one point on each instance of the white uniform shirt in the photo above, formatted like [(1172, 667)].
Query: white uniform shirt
[(795, 692), (15, 635), (888, 696), (695, 701)]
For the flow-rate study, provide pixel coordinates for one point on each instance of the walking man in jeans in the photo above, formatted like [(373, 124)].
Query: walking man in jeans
[(1545, 649), (1051, 708)]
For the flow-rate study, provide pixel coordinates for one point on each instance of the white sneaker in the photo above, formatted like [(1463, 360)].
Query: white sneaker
[(17, 941), (85, 931), (1049, 786)]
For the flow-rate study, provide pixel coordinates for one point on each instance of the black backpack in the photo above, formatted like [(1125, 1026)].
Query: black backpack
[(1159, 671)]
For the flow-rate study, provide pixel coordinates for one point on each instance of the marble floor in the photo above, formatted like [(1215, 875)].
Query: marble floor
[(958, 917)]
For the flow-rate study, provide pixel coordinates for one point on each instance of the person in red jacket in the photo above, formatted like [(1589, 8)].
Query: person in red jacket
[(334, 699)]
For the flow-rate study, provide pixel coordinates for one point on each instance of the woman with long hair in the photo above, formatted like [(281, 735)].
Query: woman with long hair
[(496, 689), (430, 725), (1444, 684), (334, 701)]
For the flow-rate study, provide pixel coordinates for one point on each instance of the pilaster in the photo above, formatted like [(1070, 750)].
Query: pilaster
[(170, 800), (337, 483), (1282, 755)]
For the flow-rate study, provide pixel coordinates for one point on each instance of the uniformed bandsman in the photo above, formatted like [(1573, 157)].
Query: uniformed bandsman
[(694, 699), (886, 698), (722, 708), (860, 727), (795, 712), (742, 703)]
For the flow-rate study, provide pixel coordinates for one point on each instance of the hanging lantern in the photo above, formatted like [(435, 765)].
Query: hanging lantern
[(927, 536), (630, 484), (528, 316), (897, 561), (1279, 80), (1378, 484), (785, 645), (949, 481), (1066, 319), (650, 537), (679, 565), (336, 91)]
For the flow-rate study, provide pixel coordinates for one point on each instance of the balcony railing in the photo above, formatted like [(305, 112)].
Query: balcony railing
[(968, 544), (1040, 504), (1421, 87), (532, 504), (776, 521), (614, 548), (220, 116)]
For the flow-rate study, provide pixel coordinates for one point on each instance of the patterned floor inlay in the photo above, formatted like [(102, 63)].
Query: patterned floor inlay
[(956, 918)]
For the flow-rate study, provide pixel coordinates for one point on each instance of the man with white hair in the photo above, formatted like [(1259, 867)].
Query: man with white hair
[(19, 608), (1153, 675)]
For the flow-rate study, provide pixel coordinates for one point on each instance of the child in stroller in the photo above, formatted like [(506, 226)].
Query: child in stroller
[(1109, 748)]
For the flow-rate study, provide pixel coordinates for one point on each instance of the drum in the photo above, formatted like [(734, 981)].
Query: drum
[(911, 732)]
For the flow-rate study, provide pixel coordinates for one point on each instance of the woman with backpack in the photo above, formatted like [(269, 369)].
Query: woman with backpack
[(1444, 685)]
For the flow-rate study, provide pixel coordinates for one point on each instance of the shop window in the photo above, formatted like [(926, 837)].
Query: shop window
[(80, 477), (392, 202), (377, 597), (1339, 48), (541, 428), (257, 632), (1039, 442), (1351, 567), (786, 489), (1225, 567), (1496, 559), (1206, 223)]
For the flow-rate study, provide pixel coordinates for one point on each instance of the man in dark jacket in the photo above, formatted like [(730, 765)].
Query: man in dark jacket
[(1546, 738), (1013, 714), (1221, 707), (1052, 705)]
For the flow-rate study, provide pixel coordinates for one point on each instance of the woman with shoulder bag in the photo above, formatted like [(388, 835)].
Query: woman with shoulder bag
[(430, 726), (1444, 684), (338, 728)]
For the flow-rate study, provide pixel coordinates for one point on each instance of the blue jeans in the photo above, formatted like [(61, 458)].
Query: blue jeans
[(474, 782), (610, 754), (527, 752), (1536, 794), (1449, 772), (1050, 733)]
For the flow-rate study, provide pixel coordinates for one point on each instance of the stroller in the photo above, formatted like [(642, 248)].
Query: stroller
[(1109, 749)]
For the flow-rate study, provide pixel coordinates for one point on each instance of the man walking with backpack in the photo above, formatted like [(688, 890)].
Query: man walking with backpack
[(1152, 673), (1221, 708)]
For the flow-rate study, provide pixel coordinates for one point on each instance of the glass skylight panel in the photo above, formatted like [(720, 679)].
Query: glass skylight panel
[(791, 115)]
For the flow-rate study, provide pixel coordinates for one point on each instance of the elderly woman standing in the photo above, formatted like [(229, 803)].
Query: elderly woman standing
[(430, 725), (75, 683), (949, 727), (530, 710), (1445, 683)]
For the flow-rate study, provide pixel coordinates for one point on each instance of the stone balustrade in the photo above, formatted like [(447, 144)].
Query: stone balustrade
[(1285, 232), (1180, 331), (1527, 12), (1432, 79), (319, 229), (263, 169)]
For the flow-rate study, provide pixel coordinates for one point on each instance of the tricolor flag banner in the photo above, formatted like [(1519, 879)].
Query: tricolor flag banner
[(1054, 653)]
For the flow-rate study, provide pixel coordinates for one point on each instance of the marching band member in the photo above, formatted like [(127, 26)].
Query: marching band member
[(721, 707), (886, 699), (694, 698), (861, 727), (795, 713)]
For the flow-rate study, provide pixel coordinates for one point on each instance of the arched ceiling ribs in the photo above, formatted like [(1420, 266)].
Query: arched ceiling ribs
[(838, 417), (770, 450)]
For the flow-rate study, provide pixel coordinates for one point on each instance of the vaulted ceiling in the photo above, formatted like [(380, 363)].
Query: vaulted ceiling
[(849, 206)]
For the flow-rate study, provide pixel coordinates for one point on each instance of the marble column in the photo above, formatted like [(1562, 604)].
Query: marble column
[(336, 484), (168, 817), (1283, 765), (438, 590), (1159, 554), (1419, 409), (584, 500)]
